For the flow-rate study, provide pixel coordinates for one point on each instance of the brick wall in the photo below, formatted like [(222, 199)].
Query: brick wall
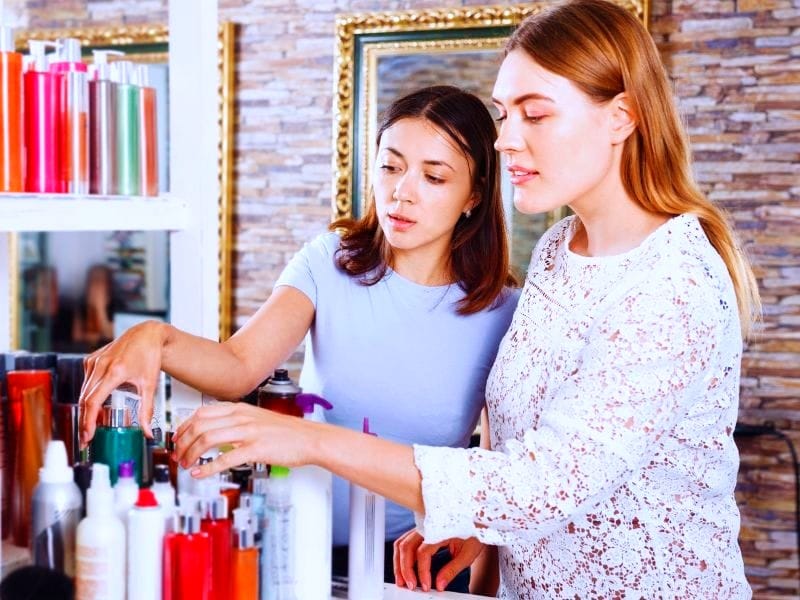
[(736, 69)]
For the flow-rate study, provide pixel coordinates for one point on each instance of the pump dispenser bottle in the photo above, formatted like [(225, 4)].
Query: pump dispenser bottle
[(11, 142), (56, 509), (215, 522), (278, 576), (367, 539), (41, 115), (102, 125), (116, 440), (245, 557), (101, 543), (148, 133), (127, 128), (187, 558)]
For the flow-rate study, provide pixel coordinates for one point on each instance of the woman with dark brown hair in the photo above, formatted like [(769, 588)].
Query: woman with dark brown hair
[(404, 308)]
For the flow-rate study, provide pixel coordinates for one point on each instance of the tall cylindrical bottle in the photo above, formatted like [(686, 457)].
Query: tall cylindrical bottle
[(145, 545), (101, 544), (102, 126), (245, 557), (56, 509), (11, 142), (41, 117), (65, 409), (73, 117), (127, 129), (148, 134), (278, 578), (187, 558), (367, 539)]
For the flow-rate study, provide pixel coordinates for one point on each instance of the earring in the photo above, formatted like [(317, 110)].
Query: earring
[(467, 213)]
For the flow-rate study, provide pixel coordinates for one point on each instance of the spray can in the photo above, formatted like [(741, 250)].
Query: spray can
[(56, 508), (367, 539)]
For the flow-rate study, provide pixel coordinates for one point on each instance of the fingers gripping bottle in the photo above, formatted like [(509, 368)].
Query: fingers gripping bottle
[(367, 538)]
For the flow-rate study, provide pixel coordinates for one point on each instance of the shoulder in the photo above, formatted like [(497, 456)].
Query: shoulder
[(551, 242)]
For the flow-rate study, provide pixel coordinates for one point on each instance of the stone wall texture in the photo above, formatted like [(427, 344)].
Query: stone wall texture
[(735, 65)]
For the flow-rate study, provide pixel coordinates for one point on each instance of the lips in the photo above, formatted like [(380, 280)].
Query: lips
[(399, 222), (521, 175)]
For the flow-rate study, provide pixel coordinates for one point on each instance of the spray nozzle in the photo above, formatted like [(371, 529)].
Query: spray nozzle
[(141, 76), (68, 50), (102, 69), (55, 469), (6, 39), (100, 478), (365, 428), (38, 52), (307, 402)]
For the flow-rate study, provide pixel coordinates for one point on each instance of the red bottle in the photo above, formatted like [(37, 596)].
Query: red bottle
[(187, 559), (41, 114), (217, 525)]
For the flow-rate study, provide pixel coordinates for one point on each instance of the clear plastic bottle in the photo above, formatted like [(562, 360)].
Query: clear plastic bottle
[(278, 579), (126, 491)]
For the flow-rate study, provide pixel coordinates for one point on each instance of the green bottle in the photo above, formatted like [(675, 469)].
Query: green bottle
[(127, 126), (116, 440)]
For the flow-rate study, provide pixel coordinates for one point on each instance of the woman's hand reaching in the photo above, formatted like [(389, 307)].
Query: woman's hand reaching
[(135, 358)]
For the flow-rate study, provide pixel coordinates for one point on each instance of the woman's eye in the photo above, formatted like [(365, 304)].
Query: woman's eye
[(500, 118), (534, 118), (434, 179), (389, 168)]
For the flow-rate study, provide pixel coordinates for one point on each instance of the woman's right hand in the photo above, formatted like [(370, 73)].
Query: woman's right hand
[(135, 357)]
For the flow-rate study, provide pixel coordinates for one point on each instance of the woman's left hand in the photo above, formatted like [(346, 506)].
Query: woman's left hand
[(412, 557), (256, 434)]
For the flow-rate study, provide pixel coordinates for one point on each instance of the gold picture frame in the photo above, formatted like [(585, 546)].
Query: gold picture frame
[(149, 44), (362, 37)]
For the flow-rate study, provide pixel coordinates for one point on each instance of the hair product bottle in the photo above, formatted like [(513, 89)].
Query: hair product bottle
[(103, 126), (165, 494), (127, 128), (145, 544), (148, 133), (116, 440), (126, 491), (11, 143), (30, 423), (245, 557), (101, 543), (367, 538), (215, 522), (65, 409), (187, 558), (56, 509), (278, 578), (41, 116)]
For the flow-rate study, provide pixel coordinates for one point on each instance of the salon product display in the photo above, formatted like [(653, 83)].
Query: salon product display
[(69, 127)]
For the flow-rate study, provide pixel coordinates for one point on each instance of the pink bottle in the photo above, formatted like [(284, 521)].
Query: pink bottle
[(41, 105)]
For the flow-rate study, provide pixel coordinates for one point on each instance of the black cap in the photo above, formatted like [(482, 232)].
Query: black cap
[(36, 361), (69, 369), (160, 473)]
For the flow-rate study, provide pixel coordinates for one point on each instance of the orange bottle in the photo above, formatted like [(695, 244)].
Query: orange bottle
[(244, 557), (11, 144)]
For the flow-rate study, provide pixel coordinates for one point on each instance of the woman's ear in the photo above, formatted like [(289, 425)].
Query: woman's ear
[(623, 118)]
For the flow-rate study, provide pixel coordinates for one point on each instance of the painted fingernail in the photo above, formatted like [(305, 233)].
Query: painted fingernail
[(195, 472), (410, 586)]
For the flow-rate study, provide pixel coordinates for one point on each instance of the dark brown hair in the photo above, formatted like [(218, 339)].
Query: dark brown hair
[(479, 260), (604, 50)]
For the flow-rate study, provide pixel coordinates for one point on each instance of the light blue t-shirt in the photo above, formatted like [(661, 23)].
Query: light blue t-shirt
[(396, 352)]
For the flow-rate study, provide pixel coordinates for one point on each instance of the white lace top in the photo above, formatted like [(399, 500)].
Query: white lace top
[(612, 403)]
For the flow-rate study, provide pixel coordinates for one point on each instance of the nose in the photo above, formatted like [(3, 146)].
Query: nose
[(508, 140), (403, 191)]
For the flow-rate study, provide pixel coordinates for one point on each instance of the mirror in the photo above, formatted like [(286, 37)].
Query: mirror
[(74, 291), (380, 56)]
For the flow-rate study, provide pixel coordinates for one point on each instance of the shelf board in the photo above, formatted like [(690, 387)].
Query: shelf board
[(68, 212)]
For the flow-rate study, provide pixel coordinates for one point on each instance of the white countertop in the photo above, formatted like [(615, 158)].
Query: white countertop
[(392, 592)]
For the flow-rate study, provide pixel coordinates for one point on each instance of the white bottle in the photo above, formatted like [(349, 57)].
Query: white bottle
[(101, 543), (367, 539), (145, 542), (126, 491), (311, 494), (165, 494), (56, 510), (278, 577)]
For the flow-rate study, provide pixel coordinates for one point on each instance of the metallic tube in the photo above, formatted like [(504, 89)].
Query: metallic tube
[(102, 137)]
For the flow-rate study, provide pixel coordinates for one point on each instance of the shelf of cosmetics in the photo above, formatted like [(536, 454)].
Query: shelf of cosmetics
[(250, 532), (69, 127)]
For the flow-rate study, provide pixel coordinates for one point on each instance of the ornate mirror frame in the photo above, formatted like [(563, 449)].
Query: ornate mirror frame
[(361, 38), (149, 43)]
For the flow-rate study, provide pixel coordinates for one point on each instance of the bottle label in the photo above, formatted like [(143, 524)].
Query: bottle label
[(93, 573)]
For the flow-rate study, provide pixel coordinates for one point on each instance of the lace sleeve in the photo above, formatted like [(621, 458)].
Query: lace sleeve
[(646, 360)]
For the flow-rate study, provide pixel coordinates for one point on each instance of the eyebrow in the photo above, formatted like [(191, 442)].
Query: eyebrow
[(525, 97), (433, 163)]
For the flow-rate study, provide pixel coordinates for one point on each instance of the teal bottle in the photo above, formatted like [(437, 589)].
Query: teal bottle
[(116, 441), (127, 129)]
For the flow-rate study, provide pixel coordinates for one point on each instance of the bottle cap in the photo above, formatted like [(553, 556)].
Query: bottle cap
[(161, 474), (116, 413), (100, 496), (6, 39), (307, 402), (243, 528), (187, 520), (146, 498), (126, 469), (278, 472), (68, 50), (122, 71), (69, 369), (141, 76), (280, 385), (214, 508), (55, 469), (38, 52)]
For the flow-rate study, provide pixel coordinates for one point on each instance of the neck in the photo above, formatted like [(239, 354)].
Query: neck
[(422, 267)]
